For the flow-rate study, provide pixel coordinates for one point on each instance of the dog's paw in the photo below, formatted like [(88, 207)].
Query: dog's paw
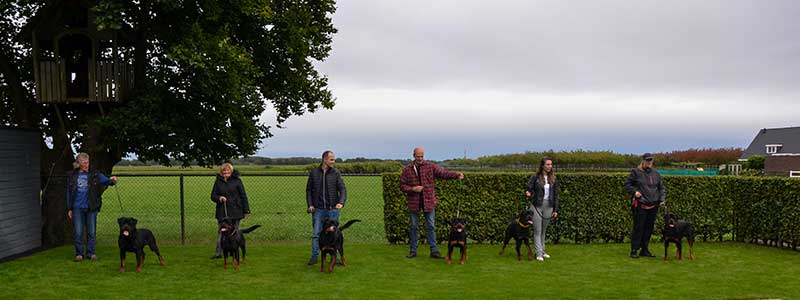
[(122, 270)]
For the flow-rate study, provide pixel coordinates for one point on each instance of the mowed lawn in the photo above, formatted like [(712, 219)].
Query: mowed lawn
[(278, 203), (277, 270)]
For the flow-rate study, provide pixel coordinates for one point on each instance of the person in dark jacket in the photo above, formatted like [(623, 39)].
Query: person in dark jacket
[(84, 199), (646, 189), (231, 199), (325, 196), (418, 182), (543, 188)]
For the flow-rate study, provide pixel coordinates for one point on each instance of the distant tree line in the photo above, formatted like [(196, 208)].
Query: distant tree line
[(609, 159)]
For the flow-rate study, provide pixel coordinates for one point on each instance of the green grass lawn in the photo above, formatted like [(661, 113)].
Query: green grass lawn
[(278, 203), (379, 271)]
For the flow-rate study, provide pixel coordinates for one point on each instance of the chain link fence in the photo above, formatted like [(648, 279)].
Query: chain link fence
[(178, 208)]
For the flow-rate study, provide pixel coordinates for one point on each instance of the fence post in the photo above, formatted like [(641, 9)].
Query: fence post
[(183, 216)]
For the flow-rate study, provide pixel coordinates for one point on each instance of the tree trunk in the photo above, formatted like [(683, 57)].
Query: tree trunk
[(56, 227)]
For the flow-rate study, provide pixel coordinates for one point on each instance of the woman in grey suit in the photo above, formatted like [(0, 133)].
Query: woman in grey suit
[(543, 193)]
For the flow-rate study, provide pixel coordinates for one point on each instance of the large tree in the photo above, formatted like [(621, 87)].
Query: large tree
[(205, 71)]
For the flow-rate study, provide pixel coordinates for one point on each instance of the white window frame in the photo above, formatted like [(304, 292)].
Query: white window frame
[(794, 174), (773, 148)]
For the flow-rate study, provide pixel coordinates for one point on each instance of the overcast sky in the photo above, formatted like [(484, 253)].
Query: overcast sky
[(494, 77)]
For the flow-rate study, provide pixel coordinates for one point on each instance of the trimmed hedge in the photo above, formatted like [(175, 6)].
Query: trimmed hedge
[(595, 207)]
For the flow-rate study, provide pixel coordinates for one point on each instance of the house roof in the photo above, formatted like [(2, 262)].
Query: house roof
[(789, 137)]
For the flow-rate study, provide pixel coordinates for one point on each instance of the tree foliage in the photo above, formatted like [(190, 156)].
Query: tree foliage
[(205, 71)]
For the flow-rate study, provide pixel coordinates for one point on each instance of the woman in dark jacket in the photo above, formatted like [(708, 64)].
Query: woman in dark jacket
[(646, 189), (231, 199), (543, 189)]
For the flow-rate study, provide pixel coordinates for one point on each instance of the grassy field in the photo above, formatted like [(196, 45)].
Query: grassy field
[(277, 203), (378, 271)]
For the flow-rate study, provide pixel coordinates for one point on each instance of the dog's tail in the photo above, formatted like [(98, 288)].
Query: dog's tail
[(348, 224), (251, 228)]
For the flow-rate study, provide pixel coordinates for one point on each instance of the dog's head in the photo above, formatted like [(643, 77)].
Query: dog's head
[(127, 226), (670, 220), (330, 226), (226, 228), (458, 224), (525, 217)]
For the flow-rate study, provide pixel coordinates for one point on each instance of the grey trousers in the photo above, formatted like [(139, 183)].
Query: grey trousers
[(540, 223)]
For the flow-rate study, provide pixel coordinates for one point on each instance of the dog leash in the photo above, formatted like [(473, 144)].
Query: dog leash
[(119, 199), (458, 204)]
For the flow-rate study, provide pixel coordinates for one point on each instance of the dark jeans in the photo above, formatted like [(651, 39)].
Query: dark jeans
[(430, 227), (643, 222), (80, 218)]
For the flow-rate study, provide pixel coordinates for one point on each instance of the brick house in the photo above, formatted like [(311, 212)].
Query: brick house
[(781, 147)]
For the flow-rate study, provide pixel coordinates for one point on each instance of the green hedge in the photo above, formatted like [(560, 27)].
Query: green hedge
[(596, 208)]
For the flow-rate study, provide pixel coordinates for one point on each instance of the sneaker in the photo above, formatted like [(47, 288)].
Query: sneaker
[(546, 255), (93, 257), (411, 255), (634, 255), (646, 254), (78, 258), (312, 261), (436, 255), (216, 256), (539, 258)]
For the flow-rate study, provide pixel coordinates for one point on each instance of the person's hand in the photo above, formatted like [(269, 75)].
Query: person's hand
[(223, 199), (637, 194), (246, 215), (114, 179), (339, 206), (69, 214), (417, 189), (460, 176), (527, 194), (310, 209), (663, 203), (555, 214)]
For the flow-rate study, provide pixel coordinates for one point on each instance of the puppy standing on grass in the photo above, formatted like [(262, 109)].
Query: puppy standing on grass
[(520, 230), (134, 240), (331, 242), (231, 240), (674, 231), (458, 238)]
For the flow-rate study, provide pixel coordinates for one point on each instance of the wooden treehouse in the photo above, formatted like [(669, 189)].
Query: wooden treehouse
[(73, 61)]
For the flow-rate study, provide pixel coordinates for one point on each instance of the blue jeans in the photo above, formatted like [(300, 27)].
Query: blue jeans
[(82, 217), (317, 218), (413, 234)]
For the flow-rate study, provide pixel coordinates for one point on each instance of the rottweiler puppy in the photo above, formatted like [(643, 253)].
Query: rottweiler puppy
[(331, 242), (458, 238), (133, 240), (233, 239), (519, 229), (674, 232)]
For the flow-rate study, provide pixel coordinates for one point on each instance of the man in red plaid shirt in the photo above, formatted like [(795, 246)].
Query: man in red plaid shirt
[(417, 181)]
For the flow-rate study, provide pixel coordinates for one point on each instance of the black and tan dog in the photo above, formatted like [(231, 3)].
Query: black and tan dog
[(458, 238), (133, 240), (331, 242), (519, 229), (232, 239), (674, 232)]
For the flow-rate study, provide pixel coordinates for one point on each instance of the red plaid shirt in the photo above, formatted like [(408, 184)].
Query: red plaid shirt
[(427, 173)]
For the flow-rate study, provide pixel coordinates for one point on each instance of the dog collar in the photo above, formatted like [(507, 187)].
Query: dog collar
[(523, 226)]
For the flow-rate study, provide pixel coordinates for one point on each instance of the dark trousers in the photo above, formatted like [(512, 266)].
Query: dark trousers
[(643, 222)]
